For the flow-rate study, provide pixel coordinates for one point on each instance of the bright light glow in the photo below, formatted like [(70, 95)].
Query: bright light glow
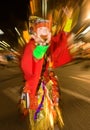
[(17, 31), (88, 16), (51, 119), (5, 44), (86, 9), (1, 32), (44, 8), (33, 6), (1, 48), (86, 30)]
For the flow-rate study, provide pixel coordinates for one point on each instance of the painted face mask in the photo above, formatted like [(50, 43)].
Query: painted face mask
[(40, 51), (42, 38), (42, 34)]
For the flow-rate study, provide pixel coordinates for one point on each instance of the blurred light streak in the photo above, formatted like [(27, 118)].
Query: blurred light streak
[(6, 44), (21, 40), (1, 32), (32, 6), (85, 11), (44, 8), (86, 30), (1, 48), (77, 95), (26, 36), (17, 31), (82, 79), (11, 93)]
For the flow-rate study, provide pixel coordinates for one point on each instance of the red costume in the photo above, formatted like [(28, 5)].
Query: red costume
[(31, 67), (59, 51), (43, 105), (33, 56)]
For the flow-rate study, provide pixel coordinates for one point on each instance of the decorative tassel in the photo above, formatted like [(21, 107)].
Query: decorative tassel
[(48, 113)]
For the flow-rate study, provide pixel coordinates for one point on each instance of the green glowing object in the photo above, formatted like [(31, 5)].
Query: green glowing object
[(39, 51)]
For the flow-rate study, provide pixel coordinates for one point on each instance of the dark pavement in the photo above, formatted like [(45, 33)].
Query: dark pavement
[(10, 84), (75, 88)]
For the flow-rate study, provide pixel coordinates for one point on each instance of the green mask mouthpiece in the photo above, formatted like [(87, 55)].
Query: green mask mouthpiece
[(40, 51)]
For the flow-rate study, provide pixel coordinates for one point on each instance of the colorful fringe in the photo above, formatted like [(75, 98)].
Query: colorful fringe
[(48, 112)]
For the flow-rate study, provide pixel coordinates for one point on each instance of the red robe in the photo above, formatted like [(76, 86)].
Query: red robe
[(31, 67), (59, 51)]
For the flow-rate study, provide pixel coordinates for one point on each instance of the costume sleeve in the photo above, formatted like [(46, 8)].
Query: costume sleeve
[(27, 59), (59, 51)]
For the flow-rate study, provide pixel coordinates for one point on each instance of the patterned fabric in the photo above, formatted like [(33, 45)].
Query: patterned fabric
[(48, 112)]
